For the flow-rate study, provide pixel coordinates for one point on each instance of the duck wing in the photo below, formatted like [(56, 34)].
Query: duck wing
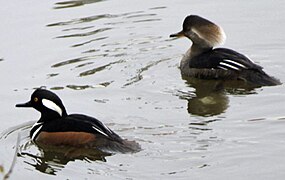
[(225, 59), (81, 123)]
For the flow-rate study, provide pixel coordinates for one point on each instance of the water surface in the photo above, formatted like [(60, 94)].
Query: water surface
[(114, 60)]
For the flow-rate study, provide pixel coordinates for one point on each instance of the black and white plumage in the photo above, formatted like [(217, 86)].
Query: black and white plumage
[(204, 61), (56, 127), (75, 123), (222, 58)]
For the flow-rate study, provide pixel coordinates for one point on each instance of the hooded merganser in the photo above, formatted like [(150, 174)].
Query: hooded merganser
[(202, 61), (56, 127)]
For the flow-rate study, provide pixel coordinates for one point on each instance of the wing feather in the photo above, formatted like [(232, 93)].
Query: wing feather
[(225, 59), (81, 123)]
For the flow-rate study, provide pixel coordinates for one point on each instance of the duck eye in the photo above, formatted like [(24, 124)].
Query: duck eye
[(36, 99)]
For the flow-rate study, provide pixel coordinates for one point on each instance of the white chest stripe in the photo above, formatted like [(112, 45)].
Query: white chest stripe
[(36, 131), (234, 62), (36, 124), (51, 105), (100, 131)]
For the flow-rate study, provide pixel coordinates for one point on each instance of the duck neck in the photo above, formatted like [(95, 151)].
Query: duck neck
[(52, 115), (193, 51)]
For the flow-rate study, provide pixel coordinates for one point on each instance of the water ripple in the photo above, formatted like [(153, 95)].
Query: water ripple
[(108, 48), (70, 4), (81, 20), (160, 7), (91, 19), (140, 71), (147, 20), (78, 28), (85, 34), (98, 69), (82, 87), (78, 87), (71, 61), (89, 41)]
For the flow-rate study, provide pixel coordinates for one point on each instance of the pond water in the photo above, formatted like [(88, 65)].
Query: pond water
[(114, 60)]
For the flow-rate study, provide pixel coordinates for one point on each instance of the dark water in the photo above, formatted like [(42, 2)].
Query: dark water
[(114, 60)]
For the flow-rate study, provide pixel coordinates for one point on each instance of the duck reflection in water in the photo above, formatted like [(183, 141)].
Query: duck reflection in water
[(211, 96), (53, 159)]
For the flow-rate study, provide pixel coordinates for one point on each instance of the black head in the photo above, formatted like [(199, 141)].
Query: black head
[(46, 102)]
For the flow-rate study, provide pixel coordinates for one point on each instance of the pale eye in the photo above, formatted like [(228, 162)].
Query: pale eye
[(36, 99)]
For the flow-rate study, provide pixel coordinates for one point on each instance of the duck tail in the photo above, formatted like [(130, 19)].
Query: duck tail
[(260, 78)]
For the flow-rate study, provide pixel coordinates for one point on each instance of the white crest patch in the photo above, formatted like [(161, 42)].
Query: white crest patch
[(214, 35), (100, 131), (194, 30), (51, 105), (223, 36)]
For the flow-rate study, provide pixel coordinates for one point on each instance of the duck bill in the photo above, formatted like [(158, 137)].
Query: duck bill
[(27, 104), (179, 34)]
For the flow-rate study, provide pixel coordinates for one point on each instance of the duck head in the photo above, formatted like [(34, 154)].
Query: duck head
[(201, 32), (47, 103)]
